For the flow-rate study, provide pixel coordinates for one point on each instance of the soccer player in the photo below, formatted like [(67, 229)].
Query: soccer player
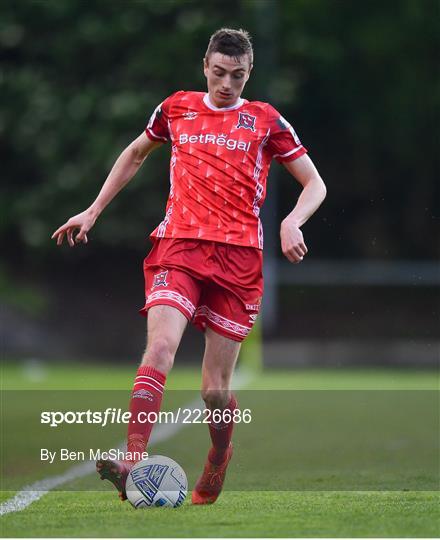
[(205, 265)]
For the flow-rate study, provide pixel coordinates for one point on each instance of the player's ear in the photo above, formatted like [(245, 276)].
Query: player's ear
[(205, 66)]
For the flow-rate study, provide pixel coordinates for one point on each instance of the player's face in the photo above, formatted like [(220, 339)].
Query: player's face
[(226, 77)]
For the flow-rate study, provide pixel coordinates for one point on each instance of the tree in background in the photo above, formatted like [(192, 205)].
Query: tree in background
[(80, 79)]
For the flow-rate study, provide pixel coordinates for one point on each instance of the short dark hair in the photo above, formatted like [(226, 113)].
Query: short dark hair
[(231, 42)]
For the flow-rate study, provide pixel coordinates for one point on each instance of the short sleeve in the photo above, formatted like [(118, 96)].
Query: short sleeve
[(283, 144), (157, 128)]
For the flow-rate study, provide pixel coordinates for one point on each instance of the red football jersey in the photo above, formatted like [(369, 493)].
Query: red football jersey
[(220, 159)]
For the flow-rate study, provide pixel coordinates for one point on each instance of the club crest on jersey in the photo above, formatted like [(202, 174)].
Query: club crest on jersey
[(246, 121), (160, 279)]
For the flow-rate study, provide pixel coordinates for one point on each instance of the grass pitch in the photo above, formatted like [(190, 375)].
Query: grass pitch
[(294, 496), (240, 514)]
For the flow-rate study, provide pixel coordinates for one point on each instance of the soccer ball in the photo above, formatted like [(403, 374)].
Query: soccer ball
[(156, 481)]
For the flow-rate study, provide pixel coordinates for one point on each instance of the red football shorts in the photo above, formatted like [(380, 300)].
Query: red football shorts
[(212, 284)]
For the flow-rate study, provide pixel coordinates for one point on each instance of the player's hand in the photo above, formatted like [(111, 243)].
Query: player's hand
[(292, 242), (84, 222)]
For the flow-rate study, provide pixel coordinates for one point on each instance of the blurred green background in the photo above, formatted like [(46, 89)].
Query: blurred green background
[(358, 81)]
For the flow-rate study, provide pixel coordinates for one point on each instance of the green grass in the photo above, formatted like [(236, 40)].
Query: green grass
[(236, 514), (46, 376), (337, 453)]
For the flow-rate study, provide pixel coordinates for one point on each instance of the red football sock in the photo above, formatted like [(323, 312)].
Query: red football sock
[(146, 398), (221, 435)]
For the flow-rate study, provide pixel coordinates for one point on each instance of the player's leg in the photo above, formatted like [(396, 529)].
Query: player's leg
[(219, 361), (165, 328), (170, 297), (171, 293), (218, 366), (227, 310)]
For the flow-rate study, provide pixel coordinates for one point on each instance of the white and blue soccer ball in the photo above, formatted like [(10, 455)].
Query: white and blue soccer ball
[(156, 481)]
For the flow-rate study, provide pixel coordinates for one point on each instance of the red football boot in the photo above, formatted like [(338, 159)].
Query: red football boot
[(210, 484), (116, 472)]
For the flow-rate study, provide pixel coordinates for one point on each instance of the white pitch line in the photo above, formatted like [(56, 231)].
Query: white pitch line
[(162, 432)]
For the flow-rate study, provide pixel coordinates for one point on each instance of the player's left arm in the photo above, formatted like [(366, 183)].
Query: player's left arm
[(312, 195)]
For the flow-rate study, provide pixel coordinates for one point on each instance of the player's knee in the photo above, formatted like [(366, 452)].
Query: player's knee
[(159, 355), (215, 398)]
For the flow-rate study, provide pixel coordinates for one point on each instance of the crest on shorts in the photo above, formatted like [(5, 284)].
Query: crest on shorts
[(246, 121), (160, 279)]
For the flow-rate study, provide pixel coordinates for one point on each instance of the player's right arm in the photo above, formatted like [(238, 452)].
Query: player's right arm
[(125, 167)]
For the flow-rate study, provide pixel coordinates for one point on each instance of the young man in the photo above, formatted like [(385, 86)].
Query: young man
[(206, 262)]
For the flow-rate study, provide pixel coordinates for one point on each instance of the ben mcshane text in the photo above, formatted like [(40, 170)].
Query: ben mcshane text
[(93, 454)]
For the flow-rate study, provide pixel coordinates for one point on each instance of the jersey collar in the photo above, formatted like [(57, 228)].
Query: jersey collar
[(211, 106)]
